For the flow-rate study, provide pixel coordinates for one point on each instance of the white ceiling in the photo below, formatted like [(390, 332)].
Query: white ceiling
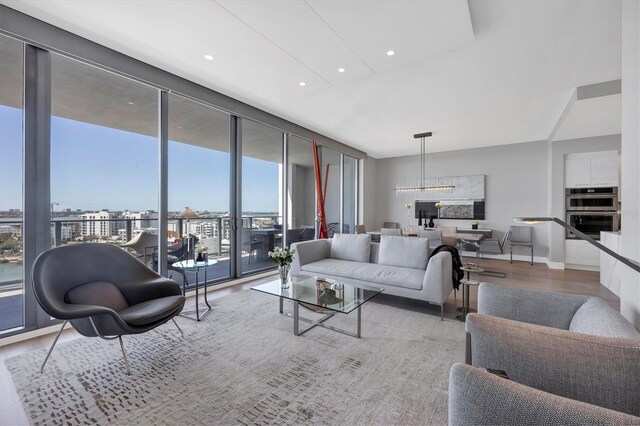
[(592, 117), (476, 73)]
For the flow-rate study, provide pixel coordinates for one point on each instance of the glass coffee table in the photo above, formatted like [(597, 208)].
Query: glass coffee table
[(323, 296)]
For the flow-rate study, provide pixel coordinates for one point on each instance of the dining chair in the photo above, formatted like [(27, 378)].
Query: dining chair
[(492, 246), (391, 225), (448, 230), (435, 237), (521, 236), (391, 231)]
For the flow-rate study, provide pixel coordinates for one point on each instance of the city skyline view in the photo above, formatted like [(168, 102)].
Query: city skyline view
[(118, 171)]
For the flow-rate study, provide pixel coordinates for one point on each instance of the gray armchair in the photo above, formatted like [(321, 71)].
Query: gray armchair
[(104, 292), (557, 348), (521, 236), (477, 397)]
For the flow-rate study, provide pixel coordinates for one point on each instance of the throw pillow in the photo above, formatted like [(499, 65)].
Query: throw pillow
[(353, 247), (406, 252)]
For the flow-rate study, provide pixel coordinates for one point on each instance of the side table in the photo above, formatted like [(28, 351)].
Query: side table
[(465, 309), (193, 266)]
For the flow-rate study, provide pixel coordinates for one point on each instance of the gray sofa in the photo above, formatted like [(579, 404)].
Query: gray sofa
[(570, 359), (399, 265)]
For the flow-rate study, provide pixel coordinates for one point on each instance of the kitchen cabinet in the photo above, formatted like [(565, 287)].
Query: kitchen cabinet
[(591, 169), (579, 254)]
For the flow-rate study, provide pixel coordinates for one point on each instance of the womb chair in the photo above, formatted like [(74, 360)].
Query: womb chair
[(104, 292)]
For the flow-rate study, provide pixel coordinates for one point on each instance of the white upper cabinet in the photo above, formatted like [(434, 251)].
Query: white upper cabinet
[(592, 169)]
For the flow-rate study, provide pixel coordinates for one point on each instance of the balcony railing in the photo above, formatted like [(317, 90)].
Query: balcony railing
[(65, 230)]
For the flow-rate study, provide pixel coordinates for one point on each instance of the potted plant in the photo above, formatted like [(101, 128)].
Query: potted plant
[(283, 256), (474, 224), (202, 254)]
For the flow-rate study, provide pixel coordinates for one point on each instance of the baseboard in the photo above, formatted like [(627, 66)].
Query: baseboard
[(555, 265), (582, 267), (516, 257)]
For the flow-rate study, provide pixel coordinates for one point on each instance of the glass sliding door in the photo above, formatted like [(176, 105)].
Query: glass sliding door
[(262, 200), (301, 191), (349, 193), (11, 194), (198, 174), (104, 158), (330, 175)]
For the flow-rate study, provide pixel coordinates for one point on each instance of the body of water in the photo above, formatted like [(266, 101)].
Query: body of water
[(10, 272)]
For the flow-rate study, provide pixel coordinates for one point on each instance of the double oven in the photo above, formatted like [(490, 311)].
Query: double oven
[(591, 210)]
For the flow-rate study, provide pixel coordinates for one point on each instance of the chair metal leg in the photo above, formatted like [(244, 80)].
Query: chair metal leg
[(52, 346), (124, 354), (511, 254), (531, 255), (442, 312), (178, 327)]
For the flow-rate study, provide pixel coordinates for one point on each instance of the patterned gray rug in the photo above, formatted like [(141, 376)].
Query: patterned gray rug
[(242, 365)]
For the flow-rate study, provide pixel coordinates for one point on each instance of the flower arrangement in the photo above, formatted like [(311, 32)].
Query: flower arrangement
[(475, 222), (283, 256), (439, 205), (202, 249), (408, 206)]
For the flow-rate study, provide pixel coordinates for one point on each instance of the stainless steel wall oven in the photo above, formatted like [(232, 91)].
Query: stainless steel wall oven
[(591, 210)]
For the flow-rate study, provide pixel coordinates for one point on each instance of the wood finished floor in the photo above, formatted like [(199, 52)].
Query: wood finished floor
[(519, 274)]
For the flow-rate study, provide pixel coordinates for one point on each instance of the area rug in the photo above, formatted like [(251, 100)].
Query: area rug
[(243, 365)]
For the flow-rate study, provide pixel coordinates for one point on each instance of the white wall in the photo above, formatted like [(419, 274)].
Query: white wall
[(630, 246), (515, 185)]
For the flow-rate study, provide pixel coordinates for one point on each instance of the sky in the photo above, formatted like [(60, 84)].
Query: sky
[(95, 167)]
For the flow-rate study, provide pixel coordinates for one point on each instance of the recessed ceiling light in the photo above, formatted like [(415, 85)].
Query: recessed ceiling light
[(341, 69), (208, 57), (391, 52), (178, 127), (302, 83), (130, 103)]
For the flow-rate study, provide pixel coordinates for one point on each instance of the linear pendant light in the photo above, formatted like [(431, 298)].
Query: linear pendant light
[(436, 184)]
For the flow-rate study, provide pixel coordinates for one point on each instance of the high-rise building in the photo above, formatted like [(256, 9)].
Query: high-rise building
[(99, 224), (141, 220)]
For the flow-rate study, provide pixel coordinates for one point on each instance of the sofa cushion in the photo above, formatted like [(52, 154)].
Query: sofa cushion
[(370, 272), (404, 252), (353, 247), (597, 318), (97, 293)]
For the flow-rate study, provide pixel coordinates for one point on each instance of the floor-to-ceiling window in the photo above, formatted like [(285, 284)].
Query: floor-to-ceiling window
[(198, 175), (11, 172), (262, 174), (330, 176), (101, 166), (349, 193), (301, 190), (104, 157)]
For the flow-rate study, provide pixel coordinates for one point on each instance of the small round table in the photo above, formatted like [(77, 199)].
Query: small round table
[(193, 266), (465, 309)]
